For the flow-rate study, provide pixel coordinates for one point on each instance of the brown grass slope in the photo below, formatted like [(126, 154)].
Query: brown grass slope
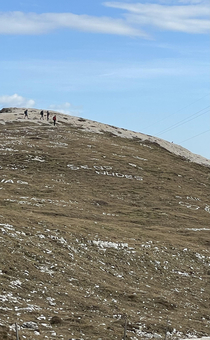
[(94, 227)]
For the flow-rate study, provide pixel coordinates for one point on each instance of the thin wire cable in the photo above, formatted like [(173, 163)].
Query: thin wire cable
[(202, 133), (176, 111), (184, 121)]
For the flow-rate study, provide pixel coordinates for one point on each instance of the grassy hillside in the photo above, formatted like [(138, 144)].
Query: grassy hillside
[(95, 228)]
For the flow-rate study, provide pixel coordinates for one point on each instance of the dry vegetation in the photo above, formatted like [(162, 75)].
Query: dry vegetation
[(94, 227)]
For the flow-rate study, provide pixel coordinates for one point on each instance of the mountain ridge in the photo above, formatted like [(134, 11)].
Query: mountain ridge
[(15, 114), (96, 229)]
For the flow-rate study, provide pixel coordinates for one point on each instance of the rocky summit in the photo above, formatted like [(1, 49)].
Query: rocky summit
[(104, 232)]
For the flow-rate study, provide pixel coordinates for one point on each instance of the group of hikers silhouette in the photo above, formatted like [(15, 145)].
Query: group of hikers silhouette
[(41, 115)]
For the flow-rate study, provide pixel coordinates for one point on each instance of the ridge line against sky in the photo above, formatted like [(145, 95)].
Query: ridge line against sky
[(126, 63)]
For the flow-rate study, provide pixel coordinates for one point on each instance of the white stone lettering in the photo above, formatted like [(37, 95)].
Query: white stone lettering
[(119, 175), (104, 170), (189, 206), (73, 167), (193, 198), (138, 178), (85, 167)]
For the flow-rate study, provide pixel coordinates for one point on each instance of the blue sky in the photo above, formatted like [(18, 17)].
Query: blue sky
[(140, 65)]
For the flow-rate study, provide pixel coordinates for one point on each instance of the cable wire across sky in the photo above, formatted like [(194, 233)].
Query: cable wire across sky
[(172, 114), (202, 133), (184, 121)]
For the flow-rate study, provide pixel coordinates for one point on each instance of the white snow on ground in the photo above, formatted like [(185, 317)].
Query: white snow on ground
[(38, 240), (17, 114)]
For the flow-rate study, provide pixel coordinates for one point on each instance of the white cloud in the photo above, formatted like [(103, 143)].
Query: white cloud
[(193, 2), (66, 108), (16, 100), (189, 16), (193, 18), (32, 23)]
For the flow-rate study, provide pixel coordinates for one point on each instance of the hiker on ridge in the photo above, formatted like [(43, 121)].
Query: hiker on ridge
[(48, 115), (54, 120), (42, 114), (26, 114)]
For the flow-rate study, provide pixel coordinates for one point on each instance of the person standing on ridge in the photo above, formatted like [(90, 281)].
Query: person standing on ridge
[(26, 114), (48, 115), (54, 119), (42, 114)]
